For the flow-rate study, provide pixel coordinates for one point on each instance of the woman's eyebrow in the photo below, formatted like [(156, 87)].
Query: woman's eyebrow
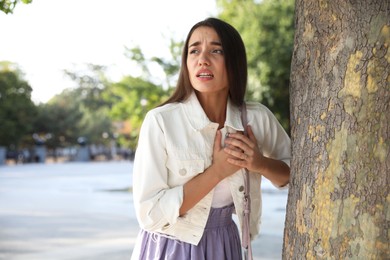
[(198, 43)]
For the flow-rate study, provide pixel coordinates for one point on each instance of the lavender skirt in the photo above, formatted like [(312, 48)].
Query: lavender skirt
[(220, 240)]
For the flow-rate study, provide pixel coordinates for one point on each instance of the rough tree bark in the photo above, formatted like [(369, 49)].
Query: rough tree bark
[(338, 206)]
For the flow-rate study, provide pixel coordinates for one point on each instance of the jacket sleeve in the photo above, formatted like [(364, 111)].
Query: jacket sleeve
[(156, 204), (272, 139), (277, 143)]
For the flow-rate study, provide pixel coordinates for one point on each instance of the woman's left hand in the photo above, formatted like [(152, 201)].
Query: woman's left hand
[(244, 150)]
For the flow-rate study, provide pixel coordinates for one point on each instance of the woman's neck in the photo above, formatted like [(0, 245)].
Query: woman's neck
[(214, 105)]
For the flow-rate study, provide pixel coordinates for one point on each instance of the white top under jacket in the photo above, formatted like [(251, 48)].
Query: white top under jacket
[(176, 144)]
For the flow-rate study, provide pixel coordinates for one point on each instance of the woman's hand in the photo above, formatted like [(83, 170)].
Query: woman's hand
[(220, 158), (199, 186), (244, 151), (246, 154)]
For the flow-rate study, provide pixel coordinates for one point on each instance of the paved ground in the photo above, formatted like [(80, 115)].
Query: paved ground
[(74, 211)]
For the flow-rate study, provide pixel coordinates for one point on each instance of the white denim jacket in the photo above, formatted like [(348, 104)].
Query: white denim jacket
[(176, 144)]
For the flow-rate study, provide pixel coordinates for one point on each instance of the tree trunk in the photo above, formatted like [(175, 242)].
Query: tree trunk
[(339, 202)]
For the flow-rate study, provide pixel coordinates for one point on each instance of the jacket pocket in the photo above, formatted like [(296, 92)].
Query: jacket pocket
[(181, 171)]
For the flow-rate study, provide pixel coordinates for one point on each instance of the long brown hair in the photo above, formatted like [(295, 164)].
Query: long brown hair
[(235, 62)]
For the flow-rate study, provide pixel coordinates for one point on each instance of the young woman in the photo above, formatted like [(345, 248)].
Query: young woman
[(188, 175)]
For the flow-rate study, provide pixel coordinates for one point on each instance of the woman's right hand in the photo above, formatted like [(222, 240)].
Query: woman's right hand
[(223, 168), (198, 187)]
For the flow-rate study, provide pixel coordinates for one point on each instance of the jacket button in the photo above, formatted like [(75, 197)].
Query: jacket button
[(241, 189), (182, 172), (166, 226)]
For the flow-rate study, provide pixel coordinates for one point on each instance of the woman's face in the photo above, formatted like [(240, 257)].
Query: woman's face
[(206, 62)]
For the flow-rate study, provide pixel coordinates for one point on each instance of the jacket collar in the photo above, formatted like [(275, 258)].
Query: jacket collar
[(199, 120)]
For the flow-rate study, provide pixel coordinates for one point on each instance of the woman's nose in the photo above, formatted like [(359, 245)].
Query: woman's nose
[(203, 60)]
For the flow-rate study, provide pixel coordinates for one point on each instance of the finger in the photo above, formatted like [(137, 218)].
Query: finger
[(234, 148), (237, 162), (240, 144), (242, 138), (237, 153)]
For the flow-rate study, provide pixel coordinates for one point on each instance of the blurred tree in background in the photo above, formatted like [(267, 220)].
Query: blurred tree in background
[(17, 111), (95, 122), (267, 28), (8, 6), (57, 122), (132, 98), (77, 112)]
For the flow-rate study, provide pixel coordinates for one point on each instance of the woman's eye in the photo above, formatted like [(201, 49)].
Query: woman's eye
[(218, 51), (196, 51)]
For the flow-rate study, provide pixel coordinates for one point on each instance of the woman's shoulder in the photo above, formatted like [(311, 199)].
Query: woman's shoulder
[(161, 110), (260, 113), (257, 108)]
